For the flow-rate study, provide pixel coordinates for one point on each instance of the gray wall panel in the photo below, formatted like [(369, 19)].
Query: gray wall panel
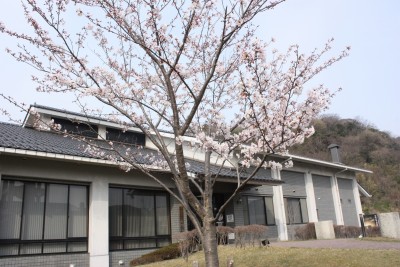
[(238, 212), (347, 201), (272, 233), (294, 184), (259, 190), (46, 260), (324, 198)]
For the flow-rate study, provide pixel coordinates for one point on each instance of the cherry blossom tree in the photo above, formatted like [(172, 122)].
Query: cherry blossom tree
[(194, 68)]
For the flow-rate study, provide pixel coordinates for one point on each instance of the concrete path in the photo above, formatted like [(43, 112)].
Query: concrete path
[(339, 243)]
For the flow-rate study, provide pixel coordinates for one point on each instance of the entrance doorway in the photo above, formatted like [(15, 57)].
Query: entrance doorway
[(217, 200)]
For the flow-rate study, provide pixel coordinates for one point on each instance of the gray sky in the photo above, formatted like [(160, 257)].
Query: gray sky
[(368, 76)]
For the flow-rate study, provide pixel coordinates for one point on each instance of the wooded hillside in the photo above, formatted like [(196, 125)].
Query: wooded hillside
[(364, 146)]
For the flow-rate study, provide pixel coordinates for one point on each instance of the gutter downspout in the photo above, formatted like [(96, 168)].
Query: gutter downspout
[(363, 191)]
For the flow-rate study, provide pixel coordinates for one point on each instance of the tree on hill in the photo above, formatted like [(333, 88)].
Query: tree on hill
[(183, 66)]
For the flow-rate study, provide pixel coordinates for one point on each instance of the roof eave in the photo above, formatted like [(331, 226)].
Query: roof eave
[(257, 182), (327, 164), (63, 157)]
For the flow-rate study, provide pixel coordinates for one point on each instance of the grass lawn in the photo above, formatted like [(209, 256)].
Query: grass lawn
[(298, 257)]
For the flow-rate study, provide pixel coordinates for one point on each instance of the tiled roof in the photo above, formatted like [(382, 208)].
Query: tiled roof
[(17, 137)]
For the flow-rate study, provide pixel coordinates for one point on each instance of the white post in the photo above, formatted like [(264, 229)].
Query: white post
[(279, 207), (311, 205), (336, 201), (102, 132), (98, 225), (357, 200)]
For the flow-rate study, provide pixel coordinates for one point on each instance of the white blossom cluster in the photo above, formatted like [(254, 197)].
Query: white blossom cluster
[(192, 68)]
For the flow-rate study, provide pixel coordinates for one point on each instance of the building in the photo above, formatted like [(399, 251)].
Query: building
[(62, 206)]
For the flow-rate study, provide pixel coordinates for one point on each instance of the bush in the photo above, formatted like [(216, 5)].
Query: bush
[(306, 232), (188, 242), (257, 233), (240, 235), (373, 231), (342, 231), (165, 253), (222, 234), (252, 234)]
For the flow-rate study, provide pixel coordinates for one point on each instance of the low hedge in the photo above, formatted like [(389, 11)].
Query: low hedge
[(306, 232), (165, 253), (341, 231)]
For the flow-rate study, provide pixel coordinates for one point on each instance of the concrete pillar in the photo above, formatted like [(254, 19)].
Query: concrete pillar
[(390, 224), (98, 224), (357, 200), (279, 208), (311, 205), (324, 230), (336, 201)]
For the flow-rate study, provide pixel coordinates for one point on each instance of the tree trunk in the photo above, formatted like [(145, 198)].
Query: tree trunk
[(210, 245)]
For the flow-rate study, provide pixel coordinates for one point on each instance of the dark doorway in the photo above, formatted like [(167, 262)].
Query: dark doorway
[(217, 200)]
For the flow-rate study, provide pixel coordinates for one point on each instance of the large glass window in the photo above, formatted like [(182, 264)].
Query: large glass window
[(296, 210), (258, 210), (138, 219), (37, 217)]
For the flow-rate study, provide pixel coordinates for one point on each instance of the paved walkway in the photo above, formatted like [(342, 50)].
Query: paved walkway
[(339, 243)]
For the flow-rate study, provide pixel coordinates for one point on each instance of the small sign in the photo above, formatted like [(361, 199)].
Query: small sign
[(231, 236), (230, 218)]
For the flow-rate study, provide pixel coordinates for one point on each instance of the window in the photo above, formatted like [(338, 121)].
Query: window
[(38, 218), (125, 137), (138, 219), (258, 210), (79, 128), (296, 210)]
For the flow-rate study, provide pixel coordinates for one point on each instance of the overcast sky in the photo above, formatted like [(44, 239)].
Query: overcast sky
[(369, 76)]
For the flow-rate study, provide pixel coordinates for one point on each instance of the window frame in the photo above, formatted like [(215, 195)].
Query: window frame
[(122, 240), (246, 212), (127, 137), (302, 201), (42, 242), (77, 127)]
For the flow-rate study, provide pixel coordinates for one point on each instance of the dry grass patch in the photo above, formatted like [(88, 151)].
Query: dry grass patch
[(299, 257), (380, 239)]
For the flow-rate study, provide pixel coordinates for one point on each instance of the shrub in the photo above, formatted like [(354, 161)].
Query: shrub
[(306, 232), (252, 234), (240, 235), (222, 234), (342, 231), (189, 242), (257, 233), (165, 253), (373, 231)]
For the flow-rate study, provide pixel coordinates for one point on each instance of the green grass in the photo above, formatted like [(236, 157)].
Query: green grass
[(299, 257)]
